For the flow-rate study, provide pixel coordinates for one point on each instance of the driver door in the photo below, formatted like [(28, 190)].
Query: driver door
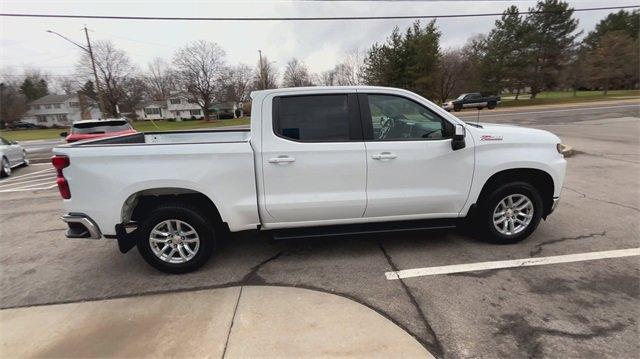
[(412, 171)]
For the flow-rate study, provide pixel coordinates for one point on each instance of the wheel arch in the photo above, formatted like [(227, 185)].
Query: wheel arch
[(142, 201), (539, 179)]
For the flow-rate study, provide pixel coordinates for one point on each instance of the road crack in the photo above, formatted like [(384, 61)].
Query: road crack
[(538, 247), (432, 343), (252, 277), (584, 195), (529, 337), (233, 320)]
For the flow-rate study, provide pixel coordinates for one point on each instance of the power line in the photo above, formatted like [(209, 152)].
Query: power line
[(392, 17)]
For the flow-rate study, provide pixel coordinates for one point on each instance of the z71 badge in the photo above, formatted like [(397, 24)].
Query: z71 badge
[(490, 138)]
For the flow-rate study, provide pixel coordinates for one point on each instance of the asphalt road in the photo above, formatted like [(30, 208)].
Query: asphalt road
[(579, 309)]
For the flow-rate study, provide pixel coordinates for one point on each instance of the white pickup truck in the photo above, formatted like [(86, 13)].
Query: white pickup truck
[(317, 161)]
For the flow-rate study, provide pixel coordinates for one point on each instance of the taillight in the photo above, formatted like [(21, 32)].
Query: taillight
[(60, 162)]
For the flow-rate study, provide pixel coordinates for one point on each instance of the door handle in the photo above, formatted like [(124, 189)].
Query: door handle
[(384, 156), (281, 159)]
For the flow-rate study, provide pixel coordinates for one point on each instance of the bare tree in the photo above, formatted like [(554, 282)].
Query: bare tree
[(199, 68), (452, 72), (327, 78), (160, 79), (114, 67), (66, 85), (237, 83), (349, 71), (266, 75), (296, 74)]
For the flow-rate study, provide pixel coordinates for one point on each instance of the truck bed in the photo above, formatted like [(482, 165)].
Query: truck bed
[(170, 137)]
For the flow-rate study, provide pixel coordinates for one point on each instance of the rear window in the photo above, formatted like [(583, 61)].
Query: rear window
[(317, 118), (100, 127)]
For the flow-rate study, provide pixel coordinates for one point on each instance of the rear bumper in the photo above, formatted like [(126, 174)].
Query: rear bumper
[(81, 226)]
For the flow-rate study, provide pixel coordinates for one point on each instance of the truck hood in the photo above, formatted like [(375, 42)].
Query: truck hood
[(496, 133)]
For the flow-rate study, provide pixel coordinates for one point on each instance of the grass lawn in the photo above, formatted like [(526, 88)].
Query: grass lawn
[(560, 97), (143, 126)]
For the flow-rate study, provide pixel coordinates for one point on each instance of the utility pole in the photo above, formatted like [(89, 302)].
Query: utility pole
[(93, 66), (95, 73), (262, 77)]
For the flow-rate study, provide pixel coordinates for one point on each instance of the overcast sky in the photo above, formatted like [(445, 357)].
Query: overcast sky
[(320, 44)]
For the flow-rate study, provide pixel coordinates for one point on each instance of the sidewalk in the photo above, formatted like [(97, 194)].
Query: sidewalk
[(253, 321)]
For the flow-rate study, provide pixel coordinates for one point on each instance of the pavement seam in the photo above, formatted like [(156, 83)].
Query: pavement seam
[(233, 320), (434, 347), (584, 195), (538, 247)]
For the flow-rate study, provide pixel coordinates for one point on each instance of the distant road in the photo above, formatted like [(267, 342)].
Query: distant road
[(570, 114), (39, 151)]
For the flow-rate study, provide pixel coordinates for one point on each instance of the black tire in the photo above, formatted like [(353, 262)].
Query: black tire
[(491, 105), (4, 164), (194, 218), (484, 216), (457, 108)]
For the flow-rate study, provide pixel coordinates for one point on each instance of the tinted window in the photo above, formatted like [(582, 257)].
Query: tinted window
[(313, 118), (398, 118), (100, 127)]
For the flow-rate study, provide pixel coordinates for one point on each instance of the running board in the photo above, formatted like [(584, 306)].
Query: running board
[(364, 228)]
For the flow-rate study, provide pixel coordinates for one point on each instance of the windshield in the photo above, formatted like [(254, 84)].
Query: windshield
[(461, 96), (100, 127)]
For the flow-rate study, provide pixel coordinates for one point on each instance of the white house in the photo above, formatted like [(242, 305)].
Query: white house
[(61, 110), (152, 110), (180, 107)]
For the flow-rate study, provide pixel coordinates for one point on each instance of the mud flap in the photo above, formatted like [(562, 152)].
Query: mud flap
[(126, 241)]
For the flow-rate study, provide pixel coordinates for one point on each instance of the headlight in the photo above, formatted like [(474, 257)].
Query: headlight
[(560, 147)]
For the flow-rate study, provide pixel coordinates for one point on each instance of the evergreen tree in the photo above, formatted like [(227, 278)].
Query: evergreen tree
[(507, 49), (627, 22), (409, 61), (34, 87), (551, 34), (88, 90)]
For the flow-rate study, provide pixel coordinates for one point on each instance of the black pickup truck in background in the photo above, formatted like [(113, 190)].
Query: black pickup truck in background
[(472, 100)]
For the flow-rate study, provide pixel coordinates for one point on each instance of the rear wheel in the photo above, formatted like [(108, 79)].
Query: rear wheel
[(176, 238), (5, 168), (510, 213)]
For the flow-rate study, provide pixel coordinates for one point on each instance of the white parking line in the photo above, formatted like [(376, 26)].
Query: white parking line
[(29, 174), (29, 180), (27, 189), (546, 111), (515, 263)]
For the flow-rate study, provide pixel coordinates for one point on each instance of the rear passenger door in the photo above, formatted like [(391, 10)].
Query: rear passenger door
[(313, 158)]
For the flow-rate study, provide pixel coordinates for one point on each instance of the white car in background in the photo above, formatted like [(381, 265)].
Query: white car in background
[(12, 155)]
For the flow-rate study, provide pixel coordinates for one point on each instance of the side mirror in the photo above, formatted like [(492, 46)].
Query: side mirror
[(63, 134), (457, 142)]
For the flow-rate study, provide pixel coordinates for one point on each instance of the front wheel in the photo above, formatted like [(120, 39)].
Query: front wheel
[(491, 105), (176, 238), (510, 213)]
